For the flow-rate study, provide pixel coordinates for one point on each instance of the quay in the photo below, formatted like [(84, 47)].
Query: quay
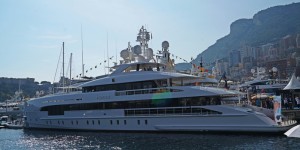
[(292, 113)]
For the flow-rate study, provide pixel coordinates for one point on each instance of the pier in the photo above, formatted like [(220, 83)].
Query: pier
[(292, 113)]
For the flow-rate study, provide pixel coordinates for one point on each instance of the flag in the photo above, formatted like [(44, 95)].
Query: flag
[(277, 109)]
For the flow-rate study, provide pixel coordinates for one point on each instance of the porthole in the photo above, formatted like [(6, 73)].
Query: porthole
[(146, 121), (125, 122), (138, 122), (111, 122)]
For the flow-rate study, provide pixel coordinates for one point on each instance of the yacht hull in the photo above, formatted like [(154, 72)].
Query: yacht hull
[(172, 123)]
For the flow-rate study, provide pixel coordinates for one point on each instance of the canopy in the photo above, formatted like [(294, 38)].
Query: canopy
[(260, 96), (293, 84)]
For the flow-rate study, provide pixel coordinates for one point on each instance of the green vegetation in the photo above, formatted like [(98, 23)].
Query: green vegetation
[(8, 89)]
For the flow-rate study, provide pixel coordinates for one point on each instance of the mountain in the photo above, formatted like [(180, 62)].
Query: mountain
[(265, 26)]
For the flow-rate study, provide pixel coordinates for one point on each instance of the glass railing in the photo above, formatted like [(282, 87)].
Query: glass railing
[(170, 111), (145, 91)]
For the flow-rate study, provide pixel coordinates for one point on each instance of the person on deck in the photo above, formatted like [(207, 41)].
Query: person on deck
[(285, 102), (297, 102)]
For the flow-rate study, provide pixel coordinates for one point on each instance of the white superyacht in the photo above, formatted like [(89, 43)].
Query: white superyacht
[(145, 94)]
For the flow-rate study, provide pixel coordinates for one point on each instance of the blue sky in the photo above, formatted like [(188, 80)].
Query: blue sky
[(32, 31)]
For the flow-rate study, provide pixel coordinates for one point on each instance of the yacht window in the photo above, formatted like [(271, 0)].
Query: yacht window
[(125, 122), (138, 121), (151, 103)]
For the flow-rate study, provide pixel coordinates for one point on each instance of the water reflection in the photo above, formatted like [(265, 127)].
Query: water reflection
[(58, 139)]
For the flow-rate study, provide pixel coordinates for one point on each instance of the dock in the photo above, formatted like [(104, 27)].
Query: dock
[(292, 113)]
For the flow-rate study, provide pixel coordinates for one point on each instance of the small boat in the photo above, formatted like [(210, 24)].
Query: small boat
[(14, 125), (293, 132)]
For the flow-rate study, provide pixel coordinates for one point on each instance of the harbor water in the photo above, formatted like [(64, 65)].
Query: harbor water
[(44, 139)]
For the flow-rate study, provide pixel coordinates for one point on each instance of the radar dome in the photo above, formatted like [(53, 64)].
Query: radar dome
[(149, 53), (165, 44), (137, 49), (124, 54)]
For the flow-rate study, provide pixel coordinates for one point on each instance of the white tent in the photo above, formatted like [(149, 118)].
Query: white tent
[(293, 84)]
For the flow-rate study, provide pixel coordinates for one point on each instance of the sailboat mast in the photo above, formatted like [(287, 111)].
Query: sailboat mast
[(82, 53), (63, 76), (107, 52), (71, 68)]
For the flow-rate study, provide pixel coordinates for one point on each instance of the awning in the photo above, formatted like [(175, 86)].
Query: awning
[(293, 84)]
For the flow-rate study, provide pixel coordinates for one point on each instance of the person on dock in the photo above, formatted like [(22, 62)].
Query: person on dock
[(290, 103), (285, 102), (297, 102)]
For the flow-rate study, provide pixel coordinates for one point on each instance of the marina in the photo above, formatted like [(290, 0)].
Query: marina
[(147, 94), (150, 75)]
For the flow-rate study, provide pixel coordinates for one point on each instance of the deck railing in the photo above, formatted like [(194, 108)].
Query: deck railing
[(170, 111), (145, 91)]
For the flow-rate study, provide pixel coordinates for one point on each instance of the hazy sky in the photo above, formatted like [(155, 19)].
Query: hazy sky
[(32, 31)]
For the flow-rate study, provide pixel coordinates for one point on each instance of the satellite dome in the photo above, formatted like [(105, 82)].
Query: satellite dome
[(137, 49), (165, 44), (124, 54), (149, 53)]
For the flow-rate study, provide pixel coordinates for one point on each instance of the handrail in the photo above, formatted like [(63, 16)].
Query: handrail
[(145, 91)]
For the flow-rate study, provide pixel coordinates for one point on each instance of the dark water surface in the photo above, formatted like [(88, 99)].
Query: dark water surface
[(42, 139)]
